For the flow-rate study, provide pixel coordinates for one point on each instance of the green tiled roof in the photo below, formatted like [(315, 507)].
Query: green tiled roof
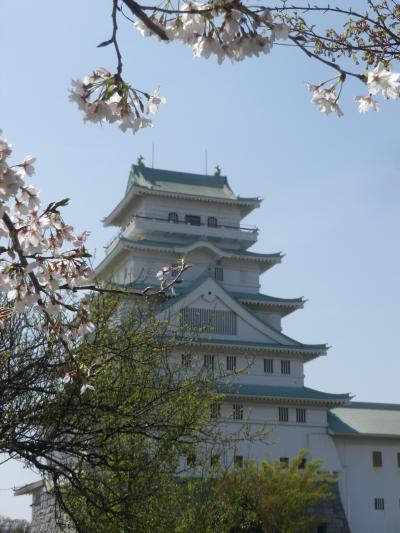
[(298, 347), (259, 297), (179, 246), (360, 419), (171, 181), (292, 393)]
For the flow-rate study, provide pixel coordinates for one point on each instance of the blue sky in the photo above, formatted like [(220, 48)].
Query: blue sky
[(331, 187)]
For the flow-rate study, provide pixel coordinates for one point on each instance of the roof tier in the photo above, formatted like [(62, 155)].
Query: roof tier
[(284, 394), (364, 419), (153, 181)]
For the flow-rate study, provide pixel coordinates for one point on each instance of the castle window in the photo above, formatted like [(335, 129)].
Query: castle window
[(231, 362), (209, 362), (379, 504), (212, 222), (238, 461), (193, 220), (210, 320), (173, 217), (219, 273), (283, 414), (377, 459), (268, 366), (300, 415), (302, 463), (237, 411), (398, 459), (285, 366), (191, 460), (215, 410), (186, 360)]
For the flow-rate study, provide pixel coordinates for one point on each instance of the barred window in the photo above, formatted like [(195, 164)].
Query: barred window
[(231, 362), (173, 217), (237, 411), (238, 461), (283, 414), (219, 273), (285, 366), (191, 460), (398, 459), (209, 362), (377, 459), (215, 410), (210, 320), (379, 504), (186, 360), (268, 366), (212, 222), (193, 220), (303, 463), (300, 415)]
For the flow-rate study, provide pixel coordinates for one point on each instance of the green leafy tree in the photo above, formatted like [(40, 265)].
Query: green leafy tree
[(273, 497)]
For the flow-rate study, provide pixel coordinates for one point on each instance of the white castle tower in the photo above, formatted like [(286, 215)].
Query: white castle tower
[(165, 215)]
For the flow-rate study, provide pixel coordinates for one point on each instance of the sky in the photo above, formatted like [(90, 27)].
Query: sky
[(330, 186)]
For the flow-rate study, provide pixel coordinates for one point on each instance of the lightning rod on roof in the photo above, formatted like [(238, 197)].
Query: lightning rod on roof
[(205, 161), (152, 155)]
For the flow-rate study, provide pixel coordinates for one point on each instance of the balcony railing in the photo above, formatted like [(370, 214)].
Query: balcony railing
[(250, 230), (240, 227)]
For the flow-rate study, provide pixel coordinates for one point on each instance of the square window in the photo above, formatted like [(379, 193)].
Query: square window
[(283, 414), (215, 410), (377, 459), (268, 366), (398, 459), (238, 461), (209, 362), (193, 220), (300, 415), (231, 362), (379, 504), (285, 366), (237, 411)]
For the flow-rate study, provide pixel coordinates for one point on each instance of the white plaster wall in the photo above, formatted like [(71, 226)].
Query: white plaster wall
[(360, 483), (160, 207)]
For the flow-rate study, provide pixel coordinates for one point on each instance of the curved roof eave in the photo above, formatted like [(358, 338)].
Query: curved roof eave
[(136, 190)]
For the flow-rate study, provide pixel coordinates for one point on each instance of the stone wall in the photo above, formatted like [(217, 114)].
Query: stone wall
[(46, 517)]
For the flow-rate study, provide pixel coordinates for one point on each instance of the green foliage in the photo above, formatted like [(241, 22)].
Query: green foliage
[(274, 497)]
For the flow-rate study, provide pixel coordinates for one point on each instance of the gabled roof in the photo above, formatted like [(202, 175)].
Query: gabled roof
[(122, 244), (284, 394), (364, 419), (274, 340), (145, 180)]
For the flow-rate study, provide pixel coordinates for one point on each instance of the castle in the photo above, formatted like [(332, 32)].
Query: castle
[(165, 215)]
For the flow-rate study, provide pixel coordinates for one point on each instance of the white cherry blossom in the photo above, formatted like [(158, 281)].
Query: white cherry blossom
[(383, 80), (365, 103), (155, 101)]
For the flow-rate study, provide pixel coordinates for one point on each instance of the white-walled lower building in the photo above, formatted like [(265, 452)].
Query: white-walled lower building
[(165, 215)]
